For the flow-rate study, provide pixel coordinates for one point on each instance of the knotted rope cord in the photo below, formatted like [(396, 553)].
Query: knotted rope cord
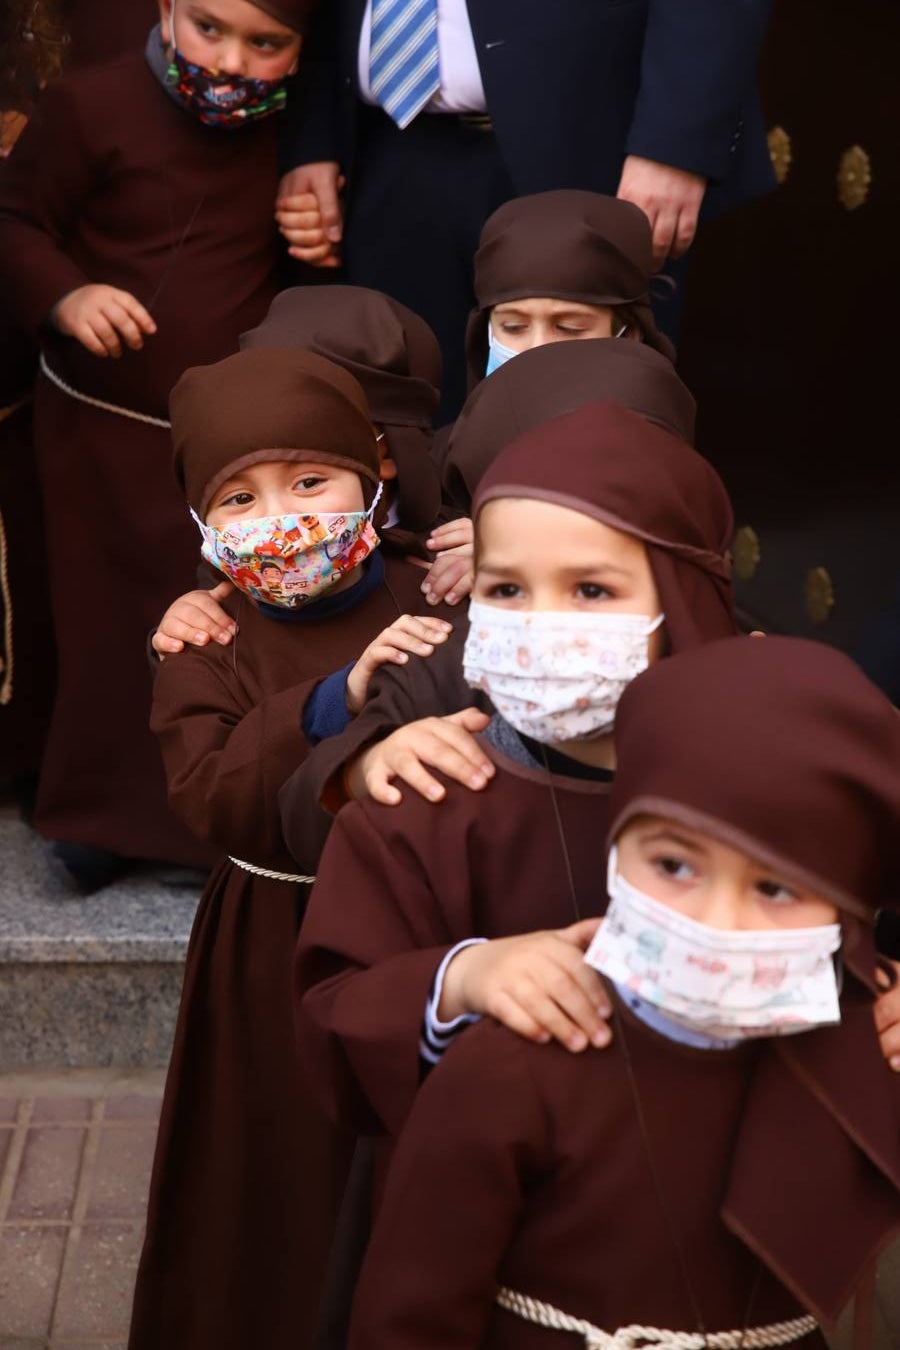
[(270, 873), (653, 1338), (100, 403)]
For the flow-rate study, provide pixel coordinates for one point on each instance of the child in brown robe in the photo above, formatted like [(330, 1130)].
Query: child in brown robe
[(728, 1172), (248, 1175), (136, 239), (396, 358), (557, 267), (402, 890), (389, 743)]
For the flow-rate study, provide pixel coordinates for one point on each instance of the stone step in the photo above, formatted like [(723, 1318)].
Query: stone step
[(86, 982)]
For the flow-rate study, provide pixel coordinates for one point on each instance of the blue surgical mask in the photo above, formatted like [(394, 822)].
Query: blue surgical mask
[(498, 355)]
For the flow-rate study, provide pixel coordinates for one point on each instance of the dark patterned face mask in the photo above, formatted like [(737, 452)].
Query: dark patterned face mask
[(220, 100)]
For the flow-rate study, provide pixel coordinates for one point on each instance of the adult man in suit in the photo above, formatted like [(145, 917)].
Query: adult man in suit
[(651, 99)]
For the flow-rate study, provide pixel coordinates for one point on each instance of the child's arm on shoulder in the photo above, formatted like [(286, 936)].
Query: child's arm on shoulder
[(476, 1136), (194, 619)]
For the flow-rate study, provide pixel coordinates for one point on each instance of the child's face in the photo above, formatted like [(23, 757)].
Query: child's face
[(231, 37), (711, 882), (533, 322), (534, 555), (285, 488)]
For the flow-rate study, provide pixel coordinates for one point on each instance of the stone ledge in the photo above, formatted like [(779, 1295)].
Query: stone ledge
[(86, 981)]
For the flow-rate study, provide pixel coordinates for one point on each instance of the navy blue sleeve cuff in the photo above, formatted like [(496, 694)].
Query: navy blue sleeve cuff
[(325, 712)]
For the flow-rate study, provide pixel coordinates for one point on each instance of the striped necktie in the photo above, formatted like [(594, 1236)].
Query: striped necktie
[(403, 57)]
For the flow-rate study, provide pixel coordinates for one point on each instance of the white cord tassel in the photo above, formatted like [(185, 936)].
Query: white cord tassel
[(651, 1338), (267, 872)]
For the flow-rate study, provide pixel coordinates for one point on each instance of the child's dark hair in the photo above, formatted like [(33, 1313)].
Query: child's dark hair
[(32, 46)]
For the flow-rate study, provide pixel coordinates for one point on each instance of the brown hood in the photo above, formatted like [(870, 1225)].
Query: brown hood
[(296, 14), (609, 463), (267, 405), (782, 747), (555, 379), (568, 245), (396, 359)]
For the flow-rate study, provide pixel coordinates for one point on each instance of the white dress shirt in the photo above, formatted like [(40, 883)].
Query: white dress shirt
[(461, 88)]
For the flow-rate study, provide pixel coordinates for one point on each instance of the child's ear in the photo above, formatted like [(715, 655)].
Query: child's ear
[(387, 467), (165, 21)]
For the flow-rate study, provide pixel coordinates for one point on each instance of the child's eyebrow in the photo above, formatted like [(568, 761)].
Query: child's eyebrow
[(655, 834)]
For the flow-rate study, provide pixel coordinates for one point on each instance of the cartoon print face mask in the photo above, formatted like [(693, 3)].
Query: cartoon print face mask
[(555, 676), (725, 984), (290, 560), (220, 100)]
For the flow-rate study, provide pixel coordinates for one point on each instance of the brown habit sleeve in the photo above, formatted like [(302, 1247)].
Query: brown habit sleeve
[(374, 935), (454, 1198), (224, 762), (43, 188), (426, 687)]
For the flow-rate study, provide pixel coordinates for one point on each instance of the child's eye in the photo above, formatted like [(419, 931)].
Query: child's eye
[(207, 29), (674, 868), (309, 482), (266, 44), (570, 329), (504, 590), (507, 326), (238, 499), (776, 890), (592, 590)]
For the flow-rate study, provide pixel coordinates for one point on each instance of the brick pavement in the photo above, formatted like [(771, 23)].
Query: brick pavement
[(75, 1156)]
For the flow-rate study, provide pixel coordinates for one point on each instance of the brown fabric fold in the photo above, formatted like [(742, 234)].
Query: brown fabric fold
[(568, 245)]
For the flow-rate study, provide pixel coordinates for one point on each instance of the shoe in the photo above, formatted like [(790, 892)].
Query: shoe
[(88, 869)]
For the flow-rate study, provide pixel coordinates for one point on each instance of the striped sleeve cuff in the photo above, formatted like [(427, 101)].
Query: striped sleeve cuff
[(438, 1036)]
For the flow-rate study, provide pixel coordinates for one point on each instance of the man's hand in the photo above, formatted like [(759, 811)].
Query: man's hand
[(308, 212), (195, 618), (887, 1018), (671, 199), (99, 317), (444, 743), (452, 574), (407, 634), (537, 985)]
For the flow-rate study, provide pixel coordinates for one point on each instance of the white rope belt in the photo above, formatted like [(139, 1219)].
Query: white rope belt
[(268, 872), (101, 403), (637, 1337)]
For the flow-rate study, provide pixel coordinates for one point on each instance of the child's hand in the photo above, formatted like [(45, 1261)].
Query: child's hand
[(452, 574), (445, 743), (99, 317), (537, 985), (409, 634), (308, 212), (195, 618), (887, 1018)]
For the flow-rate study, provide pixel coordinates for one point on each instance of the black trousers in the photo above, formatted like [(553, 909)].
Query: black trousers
[(419, 199)]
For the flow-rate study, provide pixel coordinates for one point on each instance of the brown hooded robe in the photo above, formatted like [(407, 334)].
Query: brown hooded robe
[(652, 1184), (248, 1175)]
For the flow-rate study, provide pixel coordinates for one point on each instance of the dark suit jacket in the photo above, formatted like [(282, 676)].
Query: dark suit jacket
[(573, 86)]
